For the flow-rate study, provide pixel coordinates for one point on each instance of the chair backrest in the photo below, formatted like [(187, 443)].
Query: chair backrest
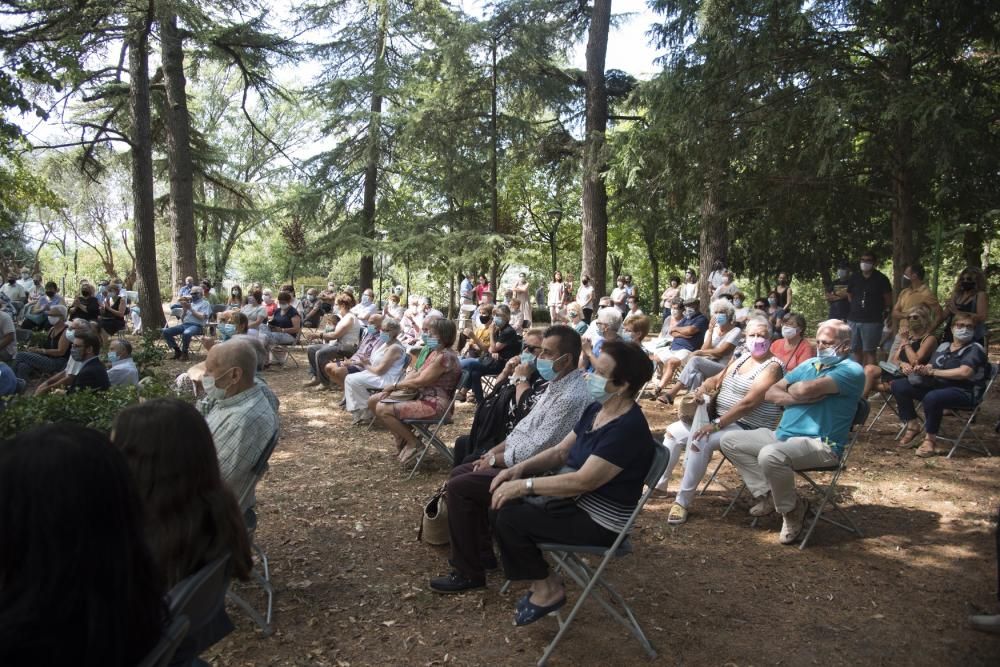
[(219, 308), (201, 595), (259, 468), (163, 652), (661, 456), (860, 414), (406, 364)]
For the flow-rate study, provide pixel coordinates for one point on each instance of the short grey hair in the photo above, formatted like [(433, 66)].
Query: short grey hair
[(758, 320), (611, 317), (723, 306), (58, 310), (840, 329), (391, 324)]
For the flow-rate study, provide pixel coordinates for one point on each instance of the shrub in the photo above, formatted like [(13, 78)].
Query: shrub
[(148, 354), (87, 408)]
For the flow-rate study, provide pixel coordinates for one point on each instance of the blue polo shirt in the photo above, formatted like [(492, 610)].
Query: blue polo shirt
[(831, 417), (695, 342)]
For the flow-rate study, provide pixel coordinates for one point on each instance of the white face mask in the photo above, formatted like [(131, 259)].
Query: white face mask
[(788, 332), (867, 266), (211, 391), (54, 320)]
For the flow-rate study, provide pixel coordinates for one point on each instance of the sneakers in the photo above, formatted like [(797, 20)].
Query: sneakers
[(763, 506), (456, 582), (792, 526), (678, 515)]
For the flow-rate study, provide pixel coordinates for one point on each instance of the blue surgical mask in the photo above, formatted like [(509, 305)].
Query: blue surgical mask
[(366, 300), (430, 342), (737, 303), (689, 313), (70, 334), (227, 329), (596, 387), (371, 329), (76, 353), (828, 356), (963, 334), (721, 318), (546, 368), (384, 337), (500, 322), (527, 358), (627, 336), (112, 357)]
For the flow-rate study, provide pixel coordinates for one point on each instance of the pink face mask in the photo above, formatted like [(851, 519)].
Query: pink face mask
[(757, 345)]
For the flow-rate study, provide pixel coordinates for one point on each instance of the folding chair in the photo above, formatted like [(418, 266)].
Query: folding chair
[(200, 598), (972, 412), (826, 494), (163, 652), (568, 558), (250, 516), (430, 437), (888, 403), (399, 378)]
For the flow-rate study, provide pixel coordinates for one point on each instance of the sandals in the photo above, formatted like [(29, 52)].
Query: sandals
[(926, 449), (666, 399), (909, 435), (410, 457), (678, 515)]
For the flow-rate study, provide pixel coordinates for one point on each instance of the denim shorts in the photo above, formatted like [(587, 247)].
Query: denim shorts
[(865, 336)]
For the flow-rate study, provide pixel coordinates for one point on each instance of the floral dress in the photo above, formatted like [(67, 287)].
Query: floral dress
[(436, 398)]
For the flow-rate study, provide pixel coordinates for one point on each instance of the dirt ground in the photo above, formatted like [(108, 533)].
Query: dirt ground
[(339, 520)]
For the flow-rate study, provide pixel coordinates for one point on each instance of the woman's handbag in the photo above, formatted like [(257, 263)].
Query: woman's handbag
[(401, 395), (434, 521)]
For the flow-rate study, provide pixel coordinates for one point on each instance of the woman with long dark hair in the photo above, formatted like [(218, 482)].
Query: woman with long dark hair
[(192, 517), (78, 585)]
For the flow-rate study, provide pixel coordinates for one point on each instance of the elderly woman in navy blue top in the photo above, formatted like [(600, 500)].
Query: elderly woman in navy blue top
[(603, 463), (957, 372)]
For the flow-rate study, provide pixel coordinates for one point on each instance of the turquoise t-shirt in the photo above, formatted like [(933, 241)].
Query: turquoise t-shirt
[(831, 417)]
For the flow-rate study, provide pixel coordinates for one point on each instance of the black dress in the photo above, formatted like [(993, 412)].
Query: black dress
[(112, 324)]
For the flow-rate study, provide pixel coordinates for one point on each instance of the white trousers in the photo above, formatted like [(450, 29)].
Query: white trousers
[(356, 386), (696, 461), (768, 464)]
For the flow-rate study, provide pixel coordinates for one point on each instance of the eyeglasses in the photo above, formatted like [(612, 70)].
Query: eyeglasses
[(533, 349), (913, 317)]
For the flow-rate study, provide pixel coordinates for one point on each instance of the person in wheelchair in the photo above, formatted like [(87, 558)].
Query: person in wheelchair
[(954, 378)]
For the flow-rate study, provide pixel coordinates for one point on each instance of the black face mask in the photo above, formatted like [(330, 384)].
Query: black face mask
[(484, 318), (50, 294), (968, 285), (11, 281)]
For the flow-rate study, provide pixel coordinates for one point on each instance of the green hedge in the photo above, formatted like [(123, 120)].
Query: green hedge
[(87, 408)]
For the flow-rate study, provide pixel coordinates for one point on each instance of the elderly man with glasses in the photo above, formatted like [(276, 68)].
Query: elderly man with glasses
[(820, 398)]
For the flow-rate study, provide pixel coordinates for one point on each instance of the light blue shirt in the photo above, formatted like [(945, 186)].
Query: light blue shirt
[(831, 417), (202, 306)]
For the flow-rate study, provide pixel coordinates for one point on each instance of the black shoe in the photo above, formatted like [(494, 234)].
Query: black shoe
[(489, 562), (456, 583), (177, 355), (184, 356)]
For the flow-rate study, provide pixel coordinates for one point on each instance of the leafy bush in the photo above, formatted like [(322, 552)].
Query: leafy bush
[(148, 354), (37, 339), (87, 408)]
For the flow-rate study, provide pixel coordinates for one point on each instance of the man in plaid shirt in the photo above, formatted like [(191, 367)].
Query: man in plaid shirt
[(241, 413)]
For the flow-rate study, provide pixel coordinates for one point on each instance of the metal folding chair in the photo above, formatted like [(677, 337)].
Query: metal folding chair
[(967, 429), (200, 598), (163, 652), (568, 558), (399, 377), (826, 493), (429, 437), (250, 516), (888, 403)]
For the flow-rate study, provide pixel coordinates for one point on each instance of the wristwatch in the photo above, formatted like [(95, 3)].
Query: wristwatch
[(529, 484), (492, 460), (517, 379), (715, 422)]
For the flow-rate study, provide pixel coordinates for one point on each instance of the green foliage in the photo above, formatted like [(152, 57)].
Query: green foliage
[(87, 408), (149, 354)]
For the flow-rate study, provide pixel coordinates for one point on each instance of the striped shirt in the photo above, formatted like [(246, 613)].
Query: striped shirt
[(735, 387)]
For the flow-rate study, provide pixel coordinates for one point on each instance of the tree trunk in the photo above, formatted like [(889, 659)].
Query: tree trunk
[(181, 210), (367, 265), (973, 245), (150, 302), (713, 243), (595, 195)]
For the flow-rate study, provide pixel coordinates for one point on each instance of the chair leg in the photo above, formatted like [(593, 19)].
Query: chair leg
[(711, 479), (735, 498)]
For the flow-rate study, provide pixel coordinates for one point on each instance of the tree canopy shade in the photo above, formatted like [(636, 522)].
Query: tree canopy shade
[(777, 135)]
